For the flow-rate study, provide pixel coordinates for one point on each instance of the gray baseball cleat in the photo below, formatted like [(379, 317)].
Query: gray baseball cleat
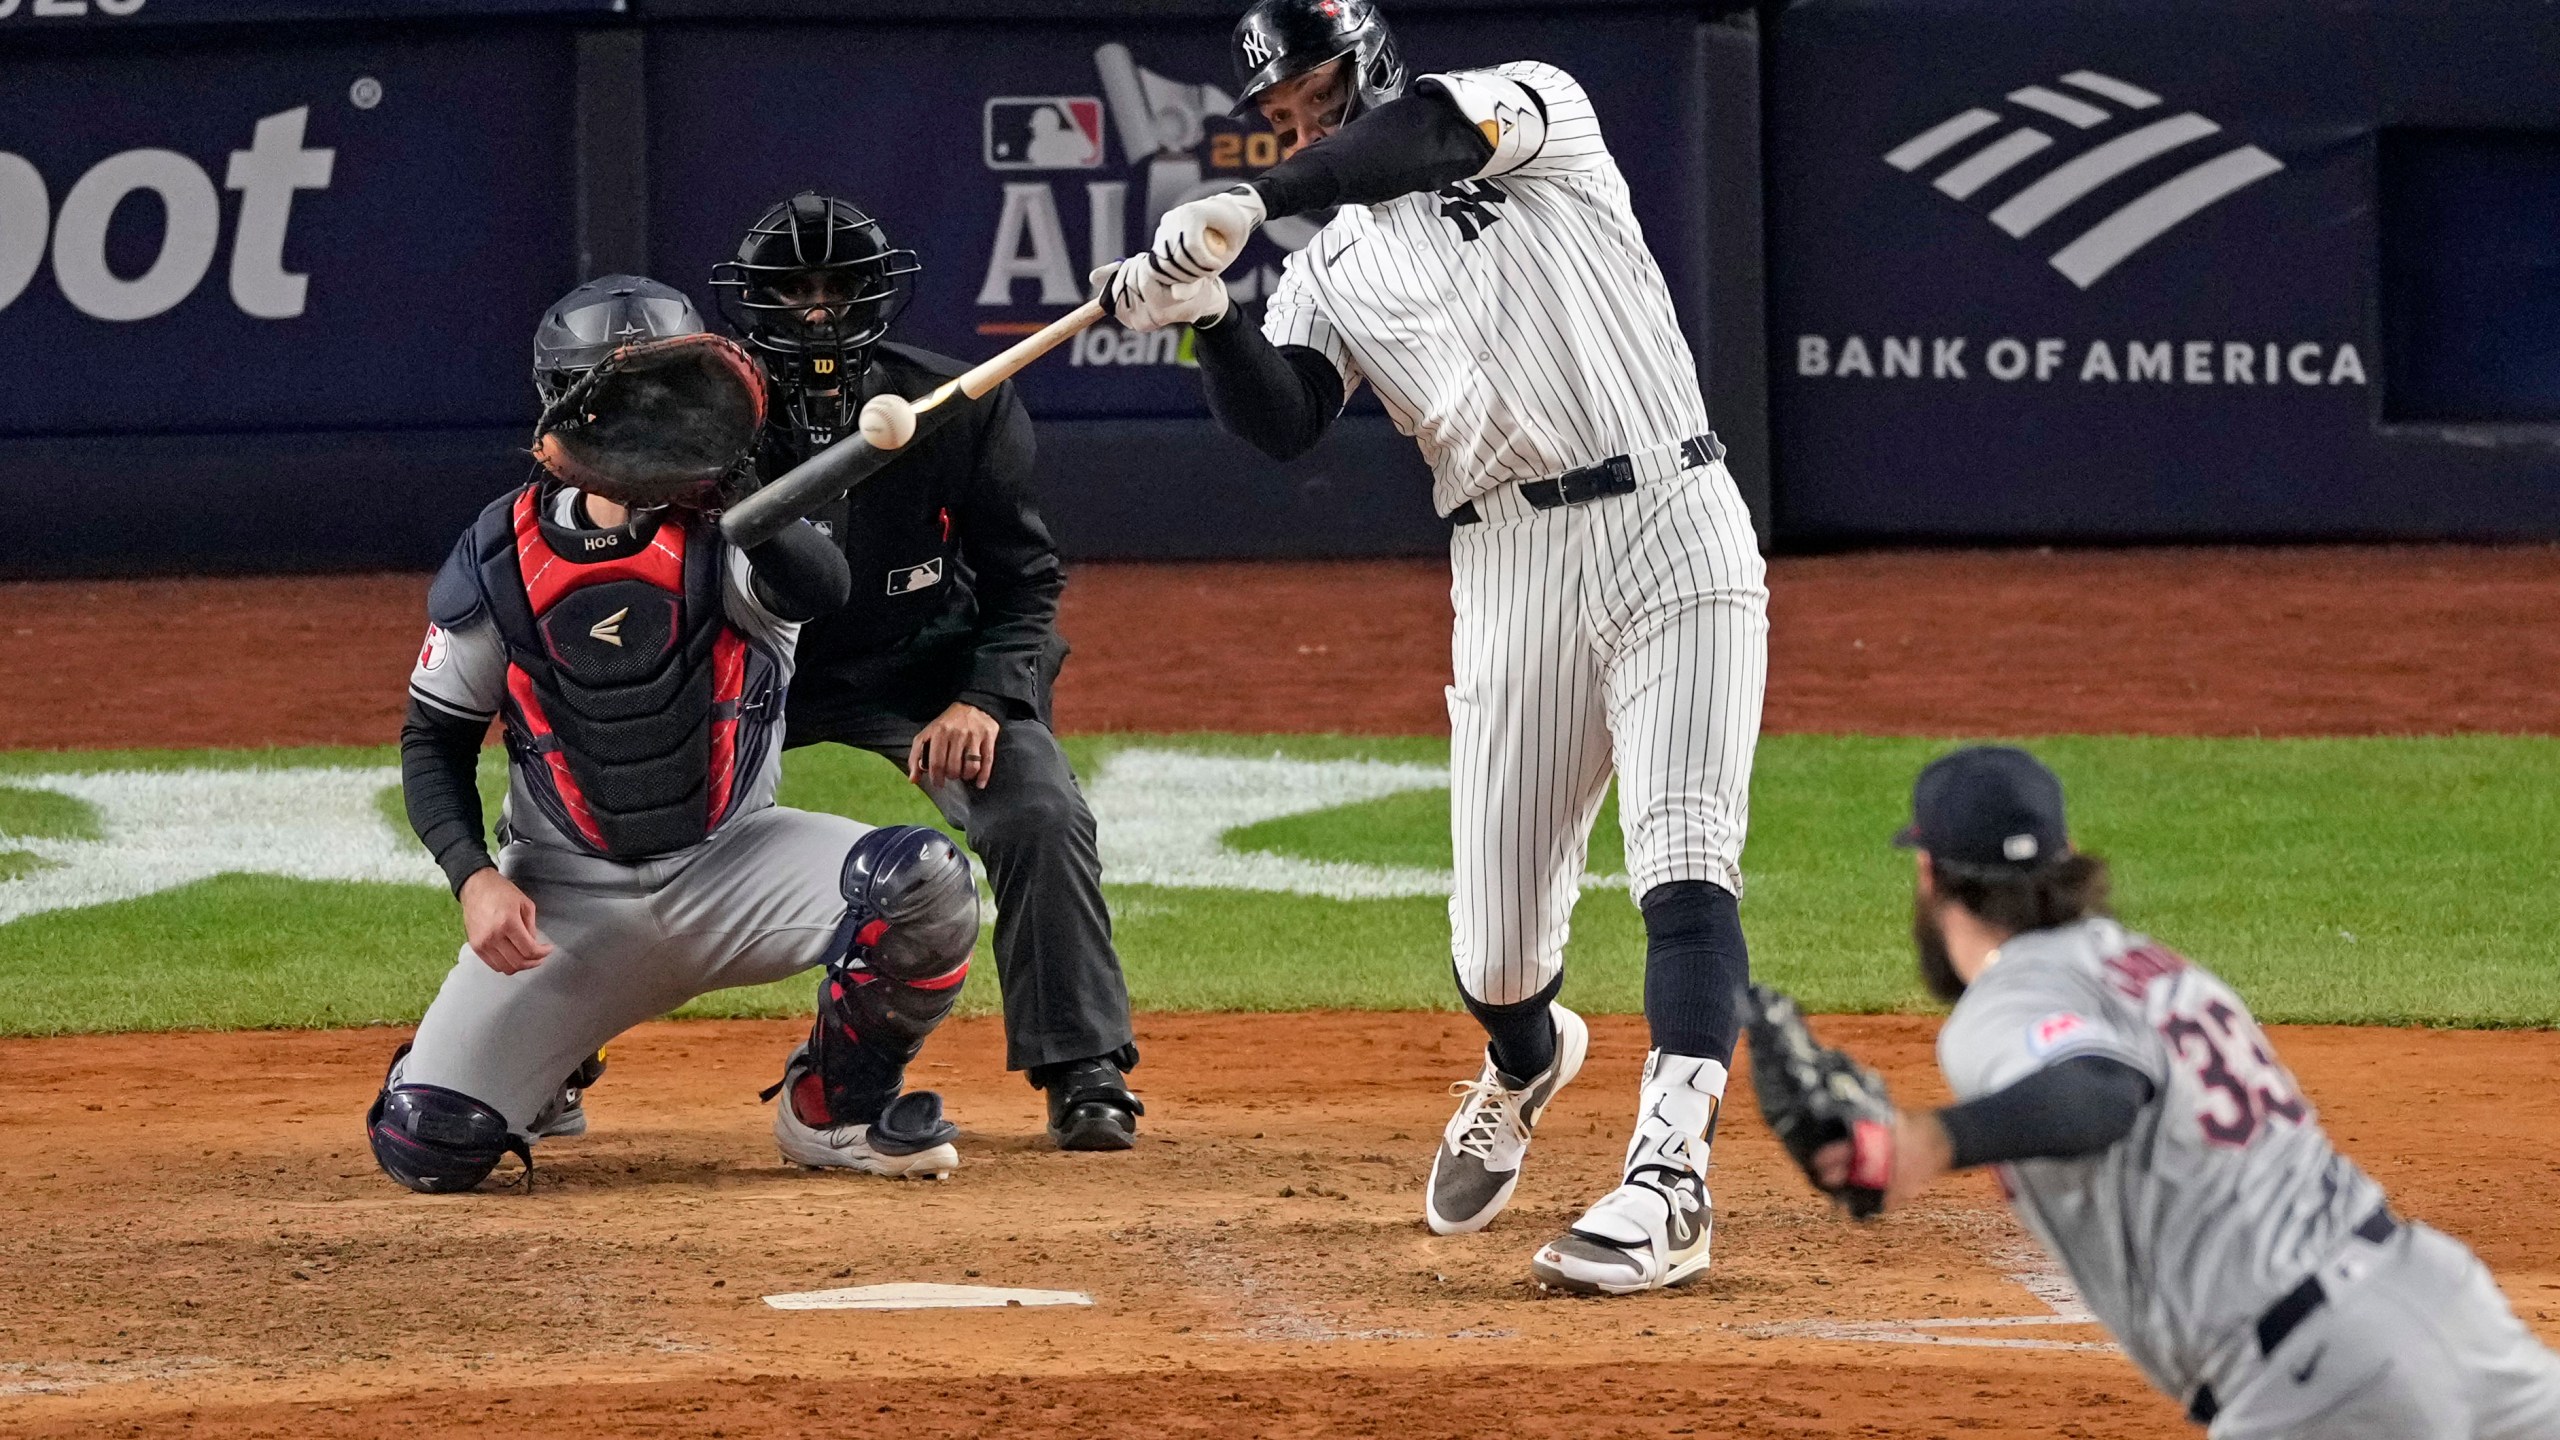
[(1478, 1165), (1650, 1233)]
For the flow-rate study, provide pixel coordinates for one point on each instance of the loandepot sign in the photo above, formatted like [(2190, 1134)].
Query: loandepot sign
[(1163, 818)]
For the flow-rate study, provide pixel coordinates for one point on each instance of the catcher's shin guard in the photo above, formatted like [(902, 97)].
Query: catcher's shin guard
[(911, 922)]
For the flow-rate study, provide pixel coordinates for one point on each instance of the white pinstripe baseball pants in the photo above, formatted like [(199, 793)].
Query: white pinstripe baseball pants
[(1634, 629)]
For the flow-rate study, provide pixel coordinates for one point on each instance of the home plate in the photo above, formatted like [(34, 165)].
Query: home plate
[(914, 1296)]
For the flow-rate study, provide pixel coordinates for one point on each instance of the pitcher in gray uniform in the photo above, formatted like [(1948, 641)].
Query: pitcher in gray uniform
[(2144, 1130), (639, 665)]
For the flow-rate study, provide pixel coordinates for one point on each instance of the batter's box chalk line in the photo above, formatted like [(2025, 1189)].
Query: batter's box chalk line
[(916, 1295), (1933, 1332)]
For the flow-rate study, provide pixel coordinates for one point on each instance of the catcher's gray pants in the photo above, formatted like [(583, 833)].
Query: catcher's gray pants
[(2419, 1344), (1064, 998), (759, 901)]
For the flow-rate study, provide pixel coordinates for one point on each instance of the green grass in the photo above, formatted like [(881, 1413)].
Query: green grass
[(18, 864), (2368, 881), (42, 815)]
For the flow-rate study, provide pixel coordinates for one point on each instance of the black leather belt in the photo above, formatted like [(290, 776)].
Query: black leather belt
[(1613, 476), (2286, 1315)]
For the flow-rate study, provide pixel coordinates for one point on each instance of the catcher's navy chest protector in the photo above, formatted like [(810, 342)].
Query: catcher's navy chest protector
[(634, 712)]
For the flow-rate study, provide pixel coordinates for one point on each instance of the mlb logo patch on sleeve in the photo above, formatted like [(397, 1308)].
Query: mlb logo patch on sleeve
[(2055, 1031), (1044, 132), (916, 577)]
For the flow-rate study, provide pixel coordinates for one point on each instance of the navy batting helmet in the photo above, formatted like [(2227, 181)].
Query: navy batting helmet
[(1280, 39)]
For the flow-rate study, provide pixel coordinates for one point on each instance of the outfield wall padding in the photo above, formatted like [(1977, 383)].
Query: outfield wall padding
[(2129, 270), (275, 303)]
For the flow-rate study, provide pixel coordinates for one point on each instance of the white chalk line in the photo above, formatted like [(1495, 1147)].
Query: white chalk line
[(1930, 1332), (1164, 818)]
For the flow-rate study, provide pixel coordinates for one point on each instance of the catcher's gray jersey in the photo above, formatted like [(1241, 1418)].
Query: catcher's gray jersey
[(2226, 1194)]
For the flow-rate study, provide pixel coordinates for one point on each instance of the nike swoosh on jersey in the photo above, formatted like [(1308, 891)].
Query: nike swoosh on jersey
[(1344, 248)]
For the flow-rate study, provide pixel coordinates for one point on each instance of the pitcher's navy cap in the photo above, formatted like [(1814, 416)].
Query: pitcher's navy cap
[(1991, 805)]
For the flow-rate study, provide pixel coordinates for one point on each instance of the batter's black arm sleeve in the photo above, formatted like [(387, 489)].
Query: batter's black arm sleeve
[(2078, 1107), (1279, 399), (1417, 142), (1013, 568), (800, 574), (439, 784)]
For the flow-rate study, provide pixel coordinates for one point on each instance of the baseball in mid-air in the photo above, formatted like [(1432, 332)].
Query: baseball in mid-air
[(888, 422)]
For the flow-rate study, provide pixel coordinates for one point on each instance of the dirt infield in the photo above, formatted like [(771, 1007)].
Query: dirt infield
[(195, 1242), (193, 1239), (2316, 641)]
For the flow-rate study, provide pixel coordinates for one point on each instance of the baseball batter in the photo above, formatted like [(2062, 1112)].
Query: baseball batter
[(2147, 1134), (1483, 271), (639, 665)]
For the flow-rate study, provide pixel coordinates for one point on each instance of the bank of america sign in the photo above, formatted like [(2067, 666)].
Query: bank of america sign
[(2071, 138)]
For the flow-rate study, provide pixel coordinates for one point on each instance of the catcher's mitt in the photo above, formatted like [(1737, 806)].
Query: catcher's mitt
[(1814, 1097), (658, 422)]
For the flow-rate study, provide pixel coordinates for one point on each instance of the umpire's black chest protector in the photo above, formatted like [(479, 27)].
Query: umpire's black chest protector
[(635, 712)]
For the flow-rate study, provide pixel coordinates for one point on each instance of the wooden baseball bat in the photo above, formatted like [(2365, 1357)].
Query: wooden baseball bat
[(890, 423)]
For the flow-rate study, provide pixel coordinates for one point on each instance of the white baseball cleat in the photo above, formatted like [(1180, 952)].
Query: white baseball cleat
[(1650, 1233), (1478, 1164), (910, 1140)]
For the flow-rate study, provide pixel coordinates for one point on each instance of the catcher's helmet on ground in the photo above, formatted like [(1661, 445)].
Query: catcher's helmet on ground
[(591, 322), (813, 288), (1280, 39)]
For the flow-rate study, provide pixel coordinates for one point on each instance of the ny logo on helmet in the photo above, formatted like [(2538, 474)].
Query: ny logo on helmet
[(1257, 47)]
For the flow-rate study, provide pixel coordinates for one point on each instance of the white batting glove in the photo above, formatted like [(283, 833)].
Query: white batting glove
[(1183, 249), (1144, 301)]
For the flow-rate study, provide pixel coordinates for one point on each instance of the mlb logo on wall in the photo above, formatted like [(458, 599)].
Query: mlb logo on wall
[(2155, 173), (1044, 132)]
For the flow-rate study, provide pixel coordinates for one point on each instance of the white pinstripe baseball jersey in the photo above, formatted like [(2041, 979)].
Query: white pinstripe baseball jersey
[(1514, 323)]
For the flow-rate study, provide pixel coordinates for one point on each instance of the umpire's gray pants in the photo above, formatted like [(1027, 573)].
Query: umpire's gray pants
[(759, 901), (2421, 1346)]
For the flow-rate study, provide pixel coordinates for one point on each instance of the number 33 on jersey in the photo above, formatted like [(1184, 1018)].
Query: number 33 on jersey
[(2226, 1192)]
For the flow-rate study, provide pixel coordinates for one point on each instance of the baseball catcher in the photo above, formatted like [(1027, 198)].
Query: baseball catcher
[(638, 666), (2145, 1131)]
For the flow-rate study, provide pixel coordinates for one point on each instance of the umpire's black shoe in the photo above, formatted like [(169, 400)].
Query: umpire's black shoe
[(1090, 1107)]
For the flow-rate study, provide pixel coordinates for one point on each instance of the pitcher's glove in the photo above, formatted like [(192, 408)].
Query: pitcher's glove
[(659, 422), (1815, 1097)]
